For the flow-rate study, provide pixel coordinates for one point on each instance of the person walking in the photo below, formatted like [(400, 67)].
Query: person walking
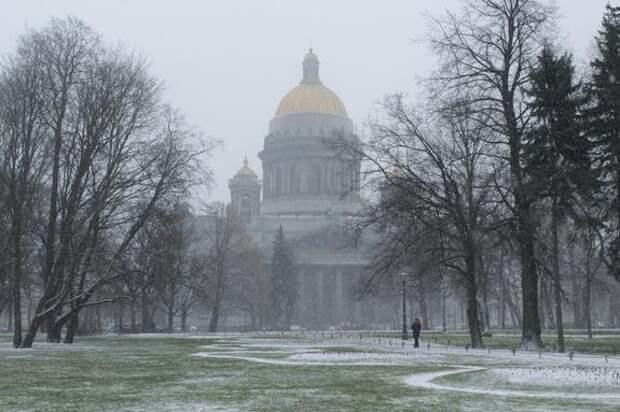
[(416, 327)]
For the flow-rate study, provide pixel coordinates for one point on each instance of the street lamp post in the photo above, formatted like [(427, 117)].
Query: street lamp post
[(405, 334)]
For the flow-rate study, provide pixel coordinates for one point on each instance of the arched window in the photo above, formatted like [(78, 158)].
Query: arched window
[(268, 183), (278, 181), (342, 177), (294, 180), (245, 209), (315, 179)]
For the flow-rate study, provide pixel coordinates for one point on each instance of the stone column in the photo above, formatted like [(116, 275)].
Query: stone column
[(323, 299), (302, 297), (340, 298)]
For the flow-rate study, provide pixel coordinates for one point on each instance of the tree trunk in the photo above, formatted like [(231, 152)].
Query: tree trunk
[(530, 338), (50, 241), (444, 325), (557, 286), (215, 317), (29, 316), (170, 320), (133, 318), (32, 330), (3, 305), (483, 326), (184, 317), (146, 318), (550, 304), (17, 313), (121, 316), (72, 327), (99, 322), (54, 329), (10, 318), (541, 302), (502, 291), (473, 321), (16, 284), (587, 302), (483, 276), (485, 304), (217, 305), (577, 318)]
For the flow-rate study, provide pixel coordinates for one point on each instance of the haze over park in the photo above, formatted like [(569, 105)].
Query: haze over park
[(287, 206)]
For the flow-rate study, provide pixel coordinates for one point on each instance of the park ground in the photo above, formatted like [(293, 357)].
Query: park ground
[(310, 371)]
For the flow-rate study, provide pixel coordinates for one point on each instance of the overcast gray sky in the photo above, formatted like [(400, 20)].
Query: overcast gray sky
[(227, 63)]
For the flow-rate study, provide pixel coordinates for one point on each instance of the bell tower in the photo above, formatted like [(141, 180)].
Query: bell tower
[(245, 193)]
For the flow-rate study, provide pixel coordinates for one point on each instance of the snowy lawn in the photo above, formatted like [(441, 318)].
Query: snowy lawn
[(294, 373), (604, 341)]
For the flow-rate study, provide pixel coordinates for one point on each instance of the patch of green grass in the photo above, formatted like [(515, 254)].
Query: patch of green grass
[(160, 374)]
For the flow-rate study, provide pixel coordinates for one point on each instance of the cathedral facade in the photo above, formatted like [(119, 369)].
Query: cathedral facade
[(313, 191)]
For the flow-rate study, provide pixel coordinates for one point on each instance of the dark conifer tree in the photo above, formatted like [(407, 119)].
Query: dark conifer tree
[(603, 125), (557, 151), (283, 282)]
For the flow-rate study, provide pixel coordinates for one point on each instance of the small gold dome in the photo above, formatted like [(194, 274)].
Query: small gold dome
[(310, 96), (246, 170)]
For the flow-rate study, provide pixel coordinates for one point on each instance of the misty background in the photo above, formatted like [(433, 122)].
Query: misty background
[(227, 64)]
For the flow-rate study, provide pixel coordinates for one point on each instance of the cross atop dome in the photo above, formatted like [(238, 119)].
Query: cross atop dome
[(246, 170), (311, 68)]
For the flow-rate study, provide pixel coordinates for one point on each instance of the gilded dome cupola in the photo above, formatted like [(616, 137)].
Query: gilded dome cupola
[(311, 96), (246, 170)]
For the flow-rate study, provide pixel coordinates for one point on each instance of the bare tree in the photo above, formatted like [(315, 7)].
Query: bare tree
[(223, 244), (250, 284), (116, 152), (485, 54), (173, 261), (23, 143), (434, 183)]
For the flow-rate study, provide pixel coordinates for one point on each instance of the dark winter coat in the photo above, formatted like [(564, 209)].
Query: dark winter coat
[(416, 327)]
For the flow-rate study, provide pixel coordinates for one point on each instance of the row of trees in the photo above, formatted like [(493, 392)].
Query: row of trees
[(511, 151), (94, 170), (208, 264), (89, 154), (183, 266)]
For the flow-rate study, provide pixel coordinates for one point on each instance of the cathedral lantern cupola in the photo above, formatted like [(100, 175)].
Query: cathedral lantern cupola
[(304, 171), (311, 69), (311, 96), (245, 192)]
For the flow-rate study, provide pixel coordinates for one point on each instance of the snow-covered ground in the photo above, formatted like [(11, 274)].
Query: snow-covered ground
[(498, 373), (279, 372)]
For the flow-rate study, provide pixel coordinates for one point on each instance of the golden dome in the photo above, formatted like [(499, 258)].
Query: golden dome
[(314, 98), (310, 95), (246, 170)]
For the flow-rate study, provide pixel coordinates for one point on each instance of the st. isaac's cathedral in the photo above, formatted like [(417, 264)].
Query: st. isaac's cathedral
[(313, 191)]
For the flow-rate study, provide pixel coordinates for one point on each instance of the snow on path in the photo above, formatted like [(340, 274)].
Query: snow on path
[(290, 362), (306, 354), (425, 380)]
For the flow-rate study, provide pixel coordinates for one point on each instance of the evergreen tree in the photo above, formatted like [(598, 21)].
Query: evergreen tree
[(283, 282), (604, 127), (557, 151)]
